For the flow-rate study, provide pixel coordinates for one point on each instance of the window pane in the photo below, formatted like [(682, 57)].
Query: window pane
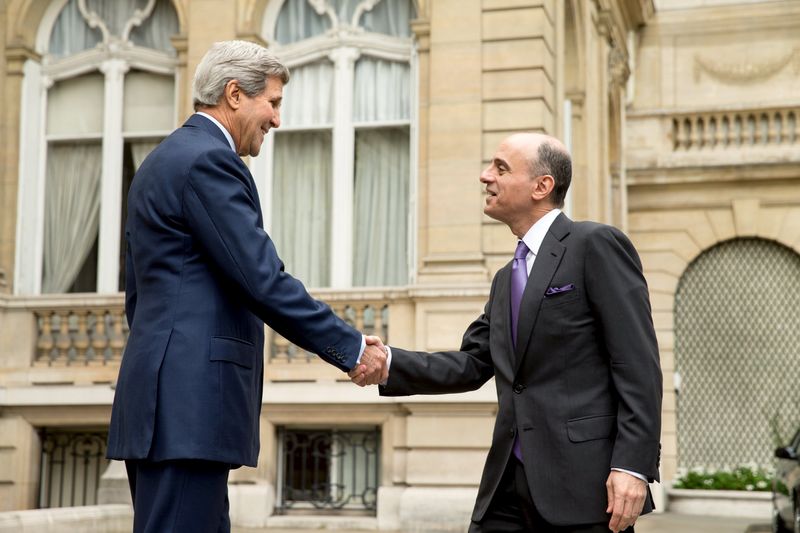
[(155, 32), (382, 90), (115, 14), (72, 212), (71, 465), (344, 9), (308, 101), (149, 102), (75, 106), (301, 204), (329, 469), (71, 34), (392, 17), (298, 20), (381, 201)]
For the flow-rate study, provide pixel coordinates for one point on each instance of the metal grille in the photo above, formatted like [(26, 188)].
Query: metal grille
[(737, 349), (71, 466), (328, 469)]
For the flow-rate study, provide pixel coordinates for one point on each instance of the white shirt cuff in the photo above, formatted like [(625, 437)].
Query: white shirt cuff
[(634, 474)]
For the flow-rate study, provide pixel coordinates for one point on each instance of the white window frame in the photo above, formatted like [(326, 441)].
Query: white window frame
[(38, 78), (342, 46)]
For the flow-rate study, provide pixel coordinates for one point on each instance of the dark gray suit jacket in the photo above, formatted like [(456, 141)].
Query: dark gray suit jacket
[(582, 388)]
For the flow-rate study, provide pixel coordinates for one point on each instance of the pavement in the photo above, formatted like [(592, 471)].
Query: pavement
[(681, 523), (652, 523)]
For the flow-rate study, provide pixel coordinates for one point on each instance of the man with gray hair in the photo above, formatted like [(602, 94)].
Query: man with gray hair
[(202, 278)]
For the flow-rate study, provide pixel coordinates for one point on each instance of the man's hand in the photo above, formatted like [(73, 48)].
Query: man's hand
[(372, 369), (626, 494)]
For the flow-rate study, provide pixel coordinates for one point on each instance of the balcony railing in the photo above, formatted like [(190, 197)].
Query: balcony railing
[(368, 317), (721, 130), (88, 336), (90, 330)]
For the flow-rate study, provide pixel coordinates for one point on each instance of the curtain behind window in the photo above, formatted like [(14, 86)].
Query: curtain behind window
[(381, 207), (156, 31), (297, 20), (382, 90), (382, 173), (392, 17), (72, 211), (71, 34), (301, 204)]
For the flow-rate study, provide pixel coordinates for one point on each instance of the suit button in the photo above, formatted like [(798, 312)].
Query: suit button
[(518, 387), (511, 432)]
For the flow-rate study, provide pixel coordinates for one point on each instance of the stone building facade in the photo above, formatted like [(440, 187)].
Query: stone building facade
[(684, 124)]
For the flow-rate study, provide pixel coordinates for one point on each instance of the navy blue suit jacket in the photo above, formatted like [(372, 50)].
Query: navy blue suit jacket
[(202, 279)]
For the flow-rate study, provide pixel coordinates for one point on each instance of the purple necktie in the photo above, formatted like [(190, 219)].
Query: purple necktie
[(519, 277)]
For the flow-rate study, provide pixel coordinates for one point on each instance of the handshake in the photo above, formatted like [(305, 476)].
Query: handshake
[(373, 368)]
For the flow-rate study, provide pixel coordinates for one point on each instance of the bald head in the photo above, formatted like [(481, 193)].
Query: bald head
[(546, 155)]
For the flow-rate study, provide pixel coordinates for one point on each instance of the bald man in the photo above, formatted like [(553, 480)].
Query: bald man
[(568, 336)]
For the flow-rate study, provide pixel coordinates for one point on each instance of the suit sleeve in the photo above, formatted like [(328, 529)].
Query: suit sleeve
[(222, 213), (444, 372), (618, 295)]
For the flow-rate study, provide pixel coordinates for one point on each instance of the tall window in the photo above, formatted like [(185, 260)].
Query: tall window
[(337, 172), (107, 86)]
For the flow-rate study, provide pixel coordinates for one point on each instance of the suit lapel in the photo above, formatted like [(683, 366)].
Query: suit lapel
[(544, 268)]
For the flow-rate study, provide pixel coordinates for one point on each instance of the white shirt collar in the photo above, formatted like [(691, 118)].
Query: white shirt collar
[(220, 126), (533, 239)]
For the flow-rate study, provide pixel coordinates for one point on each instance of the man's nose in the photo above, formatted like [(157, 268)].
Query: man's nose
[(486, 175), (276, 119)]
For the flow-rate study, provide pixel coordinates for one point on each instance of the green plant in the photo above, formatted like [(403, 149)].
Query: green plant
[(740, 478)]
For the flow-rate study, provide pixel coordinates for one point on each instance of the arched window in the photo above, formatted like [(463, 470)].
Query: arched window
[(107, 96), (737, 339), (337, 174)]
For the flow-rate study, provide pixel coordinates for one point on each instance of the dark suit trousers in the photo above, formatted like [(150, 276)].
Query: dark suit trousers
[(513, 511), (179, 496)]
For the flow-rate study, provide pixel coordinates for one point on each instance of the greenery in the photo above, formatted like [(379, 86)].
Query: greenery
[(741, 478)]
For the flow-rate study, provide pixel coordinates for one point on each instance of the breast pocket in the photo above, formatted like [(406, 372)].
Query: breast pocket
[(560, 299)]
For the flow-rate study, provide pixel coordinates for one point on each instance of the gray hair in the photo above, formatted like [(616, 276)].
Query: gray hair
[(248, 63), (553, 160)]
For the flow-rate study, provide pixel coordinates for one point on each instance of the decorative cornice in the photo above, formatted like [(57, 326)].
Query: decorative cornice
[(743, 72)]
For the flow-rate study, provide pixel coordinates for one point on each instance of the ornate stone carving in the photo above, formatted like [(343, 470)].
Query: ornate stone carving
[(618, 68), (742, 72)]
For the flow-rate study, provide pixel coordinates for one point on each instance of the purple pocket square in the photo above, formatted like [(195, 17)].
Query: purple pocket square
[(552, 291)]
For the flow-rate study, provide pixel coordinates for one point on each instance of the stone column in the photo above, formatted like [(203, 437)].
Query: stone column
[(518, 73), (449, 238), (19, 464)]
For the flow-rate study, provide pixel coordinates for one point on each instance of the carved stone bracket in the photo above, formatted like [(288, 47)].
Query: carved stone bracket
[(421, 28), (743, 72), (618, 68)]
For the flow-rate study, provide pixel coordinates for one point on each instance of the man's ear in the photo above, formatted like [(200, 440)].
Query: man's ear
[(543, 186), (233, 94)]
